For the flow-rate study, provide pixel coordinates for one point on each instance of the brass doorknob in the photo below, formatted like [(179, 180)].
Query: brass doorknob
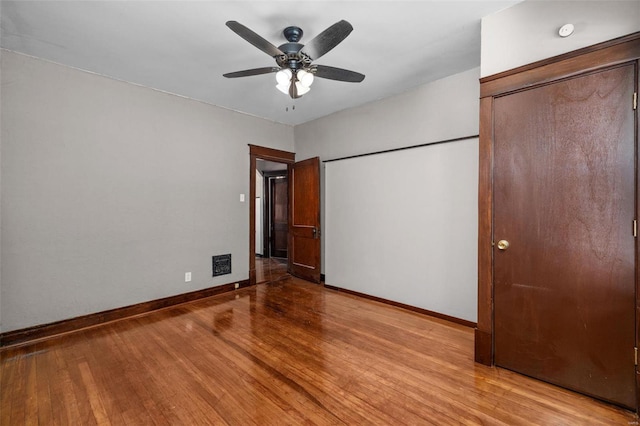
[(503, 245)]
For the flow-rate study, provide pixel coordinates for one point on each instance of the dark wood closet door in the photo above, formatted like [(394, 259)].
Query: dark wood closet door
[(564, 191)]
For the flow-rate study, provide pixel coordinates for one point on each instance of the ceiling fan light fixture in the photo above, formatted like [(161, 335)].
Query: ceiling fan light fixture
[(284, 88), (302, 79), (305, 78), (301, 88), (283, 77)]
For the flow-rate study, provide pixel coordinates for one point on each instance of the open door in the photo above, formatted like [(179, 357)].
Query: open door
[(304, 220)]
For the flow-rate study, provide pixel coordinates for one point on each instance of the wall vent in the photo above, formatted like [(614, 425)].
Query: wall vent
[(221, 264)]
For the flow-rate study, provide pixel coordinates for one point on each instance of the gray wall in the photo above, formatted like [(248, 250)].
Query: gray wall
[(528, 31), (111, 191), (404, 226), (444, 109)]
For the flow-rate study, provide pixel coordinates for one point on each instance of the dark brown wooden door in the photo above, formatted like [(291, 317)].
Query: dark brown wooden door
[(304, 220), (279, 219), (564, 201)]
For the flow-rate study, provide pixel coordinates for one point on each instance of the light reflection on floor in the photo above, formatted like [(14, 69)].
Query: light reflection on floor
[(270, 269)]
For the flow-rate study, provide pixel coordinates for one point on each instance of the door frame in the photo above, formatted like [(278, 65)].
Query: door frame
[(260, 152), (623, 50)]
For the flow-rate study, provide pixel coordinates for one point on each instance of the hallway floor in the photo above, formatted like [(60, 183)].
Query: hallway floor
[(270, 269)]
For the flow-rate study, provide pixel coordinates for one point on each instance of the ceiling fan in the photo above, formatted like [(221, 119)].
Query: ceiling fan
[(295, 71)]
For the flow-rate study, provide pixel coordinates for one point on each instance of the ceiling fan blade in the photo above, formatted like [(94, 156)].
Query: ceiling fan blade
[(327, 40), (254, 39), (339, 74), (254, 71)]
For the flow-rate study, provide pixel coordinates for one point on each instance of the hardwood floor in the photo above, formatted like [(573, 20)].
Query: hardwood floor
[(270, 269), (289, 352)]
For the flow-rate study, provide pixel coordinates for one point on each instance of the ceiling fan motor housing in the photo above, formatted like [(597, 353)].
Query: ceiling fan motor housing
[(293, 58)]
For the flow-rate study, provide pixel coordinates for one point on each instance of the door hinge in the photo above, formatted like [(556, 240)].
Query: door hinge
[(635, 100), (635, 356), (635, 228)]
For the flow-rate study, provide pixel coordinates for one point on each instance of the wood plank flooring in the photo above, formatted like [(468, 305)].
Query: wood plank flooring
[(285, 353), (270, 269)]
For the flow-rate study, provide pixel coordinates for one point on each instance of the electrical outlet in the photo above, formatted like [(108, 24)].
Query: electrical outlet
[(187, 277), (237, 285)]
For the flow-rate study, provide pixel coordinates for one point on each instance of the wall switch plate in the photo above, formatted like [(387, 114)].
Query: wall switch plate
[(187, 277), (242, 198)]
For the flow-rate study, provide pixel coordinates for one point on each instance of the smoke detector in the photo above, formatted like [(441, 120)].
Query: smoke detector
[(566, 30)]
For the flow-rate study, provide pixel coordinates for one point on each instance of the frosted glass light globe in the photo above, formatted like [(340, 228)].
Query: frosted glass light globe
[(284, 76), (305, 78)]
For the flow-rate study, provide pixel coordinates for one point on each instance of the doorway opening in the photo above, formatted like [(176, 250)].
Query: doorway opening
[(268, 167), (272, 220), (303, 212)]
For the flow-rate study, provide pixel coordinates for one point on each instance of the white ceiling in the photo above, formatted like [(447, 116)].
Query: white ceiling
[(184, 47)]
